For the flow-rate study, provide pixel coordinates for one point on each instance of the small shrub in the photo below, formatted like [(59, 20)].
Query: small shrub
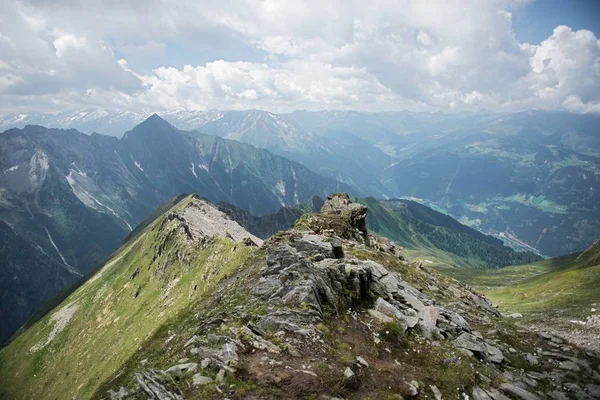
[(392, 333)]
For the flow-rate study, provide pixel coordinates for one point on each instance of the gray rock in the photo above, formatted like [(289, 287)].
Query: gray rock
[(593, 390), (362, 362), (494, 354), (496, 395), (192, 340), (558, 395), (452, 322), (408, 298), (569, 366), (531, 359), (279, 258), (121, 394), (200, 380), (470, 342), (153, 389), (518, 392), (220, 376), (350, 379), (413, 388), (484, 303), (437, 395), (310, 244), (428, 319), (255, 340), (266, 287), (182, 369), (379, 316), (355, 214), (480, 394), (387, 309)]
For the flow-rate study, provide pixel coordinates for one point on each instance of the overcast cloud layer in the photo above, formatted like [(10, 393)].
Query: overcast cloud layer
[(283, 55)]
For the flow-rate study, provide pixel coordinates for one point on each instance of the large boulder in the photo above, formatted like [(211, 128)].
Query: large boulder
[(355, 215)]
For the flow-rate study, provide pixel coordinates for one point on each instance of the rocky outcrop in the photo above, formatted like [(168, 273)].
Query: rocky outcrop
[(341, 216), (201, 221), (326, 270)]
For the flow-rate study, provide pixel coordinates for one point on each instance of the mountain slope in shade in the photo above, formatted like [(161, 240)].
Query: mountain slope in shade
[(338, 155), (77, 196), (530, 178), (268, 225)]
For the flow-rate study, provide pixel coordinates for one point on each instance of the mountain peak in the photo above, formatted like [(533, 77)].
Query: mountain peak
[(155, 120), (154, 124)]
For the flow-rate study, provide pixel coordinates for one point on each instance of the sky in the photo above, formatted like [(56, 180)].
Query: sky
[(377, 55)]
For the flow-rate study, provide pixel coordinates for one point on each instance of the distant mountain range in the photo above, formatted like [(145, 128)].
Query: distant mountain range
[(67, 200), (530, 178)]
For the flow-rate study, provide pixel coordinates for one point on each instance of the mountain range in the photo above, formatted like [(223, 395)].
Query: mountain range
[(67, 200), (529, 178)]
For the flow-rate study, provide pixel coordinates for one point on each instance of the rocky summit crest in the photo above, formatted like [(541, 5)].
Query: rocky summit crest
[(340, 216)]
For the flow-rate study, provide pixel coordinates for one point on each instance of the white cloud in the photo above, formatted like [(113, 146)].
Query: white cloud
[(316, 54), (68, 42)]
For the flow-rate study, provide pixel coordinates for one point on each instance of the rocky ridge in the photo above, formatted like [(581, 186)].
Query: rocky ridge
[(327, 310)]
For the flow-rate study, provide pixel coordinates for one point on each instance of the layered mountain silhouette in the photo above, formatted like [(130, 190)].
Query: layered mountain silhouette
[(67, 200), (530, 178)]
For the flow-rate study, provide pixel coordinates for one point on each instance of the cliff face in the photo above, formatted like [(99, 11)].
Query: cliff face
[(323, 310)]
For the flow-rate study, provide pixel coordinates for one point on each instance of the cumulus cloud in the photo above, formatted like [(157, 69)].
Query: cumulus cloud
[(433, 55)]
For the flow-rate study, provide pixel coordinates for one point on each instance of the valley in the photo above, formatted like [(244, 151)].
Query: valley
[(558, 295)]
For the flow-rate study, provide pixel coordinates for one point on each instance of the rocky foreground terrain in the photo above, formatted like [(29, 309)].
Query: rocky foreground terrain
[(322, 311), (331, 311)]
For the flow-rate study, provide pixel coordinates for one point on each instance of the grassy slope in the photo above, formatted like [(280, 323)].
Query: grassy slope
[(439, 245), (85, 353), (559, 283)]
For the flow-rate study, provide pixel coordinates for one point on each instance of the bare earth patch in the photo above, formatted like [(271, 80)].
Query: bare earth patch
[(60, 318)]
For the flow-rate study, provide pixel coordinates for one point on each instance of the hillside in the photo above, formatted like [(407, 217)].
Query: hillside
[(425, 233), (175, 260), (559, 294), (268, 225), (440, 239), (192, 308), (69, 199), (530, 177)]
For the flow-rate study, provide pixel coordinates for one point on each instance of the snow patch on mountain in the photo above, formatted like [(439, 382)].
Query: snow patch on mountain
[(193, 169), (11, 169), (77, 181), (137, 164), (64, 260), (280, 187)]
